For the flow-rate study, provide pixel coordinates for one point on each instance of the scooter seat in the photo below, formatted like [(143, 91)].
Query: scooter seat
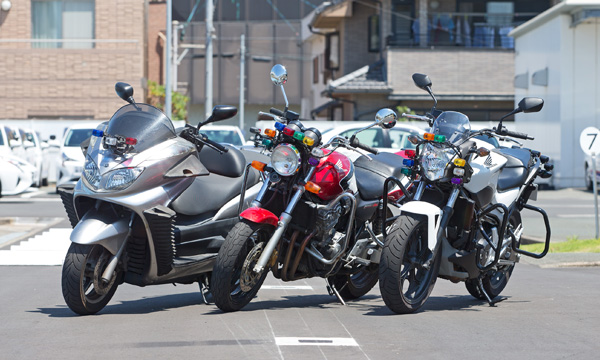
[(209, 193), (514, 173), (371, 174)]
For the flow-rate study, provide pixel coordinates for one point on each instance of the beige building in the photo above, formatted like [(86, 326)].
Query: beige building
[(61, 59)]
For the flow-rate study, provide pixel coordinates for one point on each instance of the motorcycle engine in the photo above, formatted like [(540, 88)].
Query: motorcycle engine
[(326, 237)]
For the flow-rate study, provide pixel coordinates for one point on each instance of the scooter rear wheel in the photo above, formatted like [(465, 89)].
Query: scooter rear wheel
[(82, 285), (233, 282)]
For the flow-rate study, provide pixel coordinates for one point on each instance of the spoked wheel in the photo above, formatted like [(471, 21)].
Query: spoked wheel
[(405, 280), (494, 281), (356, 285), (234, 282), (83, 289)]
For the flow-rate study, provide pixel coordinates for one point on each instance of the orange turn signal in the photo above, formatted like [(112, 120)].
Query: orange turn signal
[(270, 133), (260, 166), (429, 136), (483, 151), (312, 187)]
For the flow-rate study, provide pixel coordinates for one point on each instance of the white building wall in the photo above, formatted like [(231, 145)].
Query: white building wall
[(572, 96)]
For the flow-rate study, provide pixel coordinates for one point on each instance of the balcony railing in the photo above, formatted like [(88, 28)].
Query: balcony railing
[(476, 30)]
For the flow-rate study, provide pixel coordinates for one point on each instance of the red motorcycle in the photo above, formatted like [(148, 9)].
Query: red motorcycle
[(317, 213)]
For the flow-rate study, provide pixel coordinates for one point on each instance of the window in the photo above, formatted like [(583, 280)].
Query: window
[(371, 137), (76, 136), (399, 139), (62, 19), (374, 33), (332, 51)]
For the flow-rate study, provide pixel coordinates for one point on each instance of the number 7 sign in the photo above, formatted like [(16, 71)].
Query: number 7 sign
[(590, 140)]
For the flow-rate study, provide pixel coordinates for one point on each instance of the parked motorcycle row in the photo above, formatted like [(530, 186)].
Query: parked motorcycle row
[(159, 205)]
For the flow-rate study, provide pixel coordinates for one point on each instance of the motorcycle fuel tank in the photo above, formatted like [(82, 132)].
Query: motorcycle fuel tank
[(334, 174)]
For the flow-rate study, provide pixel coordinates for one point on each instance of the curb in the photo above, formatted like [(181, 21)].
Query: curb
[(25, 235)]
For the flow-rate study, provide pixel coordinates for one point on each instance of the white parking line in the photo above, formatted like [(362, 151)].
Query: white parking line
[(32, 194), (48, 248), (286, 287), (20, 199), (306, 341), (575, 215)]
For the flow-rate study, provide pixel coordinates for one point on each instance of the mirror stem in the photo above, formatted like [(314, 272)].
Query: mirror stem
[(287, 104)]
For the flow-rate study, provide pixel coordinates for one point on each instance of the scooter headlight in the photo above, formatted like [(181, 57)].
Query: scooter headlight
[(285, 159), (91, 174), (122, 178)]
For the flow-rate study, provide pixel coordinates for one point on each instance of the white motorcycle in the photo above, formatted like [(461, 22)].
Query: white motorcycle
[(463, 222)]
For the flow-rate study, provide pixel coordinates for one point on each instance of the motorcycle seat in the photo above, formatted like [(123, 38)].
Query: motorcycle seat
[(371, 174), (514, 173)]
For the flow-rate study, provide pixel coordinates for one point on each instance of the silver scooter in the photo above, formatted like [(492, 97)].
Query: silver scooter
[(153, 204)]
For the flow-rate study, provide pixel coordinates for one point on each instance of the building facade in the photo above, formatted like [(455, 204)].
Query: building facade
[(60, 59)]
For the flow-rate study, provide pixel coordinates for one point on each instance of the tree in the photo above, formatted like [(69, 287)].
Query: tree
[(156, 97)]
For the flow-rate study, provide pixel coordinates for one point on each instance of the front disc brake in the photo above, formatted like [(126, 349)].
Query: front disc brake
[(249, 278)]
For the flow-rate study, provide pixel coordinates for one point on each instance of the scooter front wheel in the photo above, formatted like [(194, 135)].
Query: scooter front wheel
[(83, 289), (234, 282)]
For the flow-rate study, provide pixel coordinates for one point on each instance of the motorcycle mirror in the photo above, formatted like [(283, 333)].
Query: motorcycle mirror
[(220, 112), (531, 104), (279, 77), (422, 81), (386, 118), (125, 91), (279, 74)]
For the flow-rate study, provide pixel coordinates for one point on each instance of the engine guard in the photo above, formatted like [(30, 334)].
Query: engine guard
[(429, 210), (259, 216), (100, 228)]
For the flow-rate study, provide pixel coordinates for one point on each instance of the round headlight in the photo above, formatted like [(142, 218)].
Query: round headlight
[(285, 159)]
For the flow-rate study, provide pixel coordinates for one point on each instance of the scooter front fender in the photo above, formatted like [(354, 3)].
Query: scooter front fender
[(429, 210), (103, 229), (259, 216)]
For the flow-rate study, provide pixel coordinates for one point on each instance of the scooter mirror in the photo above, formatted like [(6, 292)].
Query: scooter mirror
[(422, 81), (125, 91), (531, 104), (278, 74), (386, 118)]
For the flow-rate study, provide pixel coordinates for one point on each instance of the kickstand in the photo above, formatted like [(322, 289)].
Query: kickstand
[(204, 289), (333, 291), (487, 297)]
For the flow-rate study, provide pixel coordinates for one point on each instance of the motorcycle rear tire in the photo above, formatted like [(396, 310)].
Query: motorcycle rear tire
[(82, 270), (226, 285), (404, 251), (356, 285)]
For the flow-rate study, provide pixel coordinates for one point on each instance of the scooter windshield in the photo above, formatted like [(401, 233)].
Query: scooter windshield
[(453, 125), (142, 122)]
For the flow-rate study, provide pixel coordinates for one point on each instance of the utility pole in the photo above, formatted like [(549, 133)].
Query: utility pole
[(242, 80), (208, 102), (175, 51), (168, 59)]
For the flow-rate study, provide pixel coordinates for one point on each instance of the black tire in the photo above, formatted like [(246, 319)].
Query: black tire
[(244, 242), (82, 285), (404, 283), (354, 286), (494, 281)]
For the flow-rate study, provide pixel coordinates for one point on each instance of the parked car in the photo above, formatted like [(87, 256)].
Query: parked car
[(386, 140), (224, 134), (16, 175), (4, 142), (34, 155), (15, 142), (72, 159), (589, 172)]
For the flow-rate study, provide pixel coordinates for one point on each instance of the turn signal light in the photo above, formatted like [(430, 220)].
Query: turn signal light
[(459, 162), (288, 131), (406, 171), (414, 139), (429, 136), (270, 133), (308, 141), (312, 187), (98, 133), (130, 141), (279, 126), (483, 151), (298, 136), (260, 166), (458, 171), (440, 138), (408, 162)]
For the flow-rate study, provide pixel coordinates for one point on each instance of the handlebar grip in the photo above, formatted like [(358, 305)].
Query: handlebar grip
[(515, 134), (355, 143), (203, 138), (275, 111)]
